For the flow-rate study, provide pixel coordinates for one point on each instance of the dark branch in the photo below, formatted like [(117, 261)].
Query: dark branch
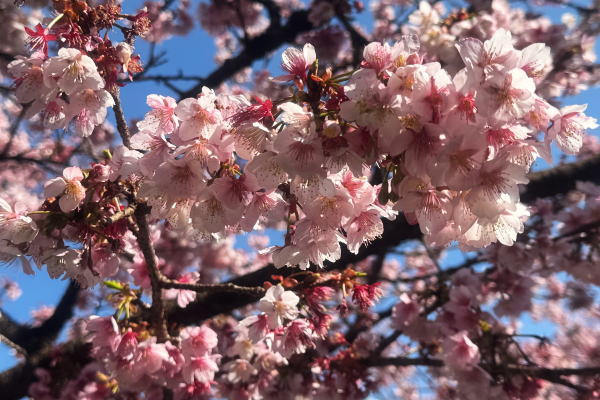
[(255, 49), (403, 362), (120, 117), (357, 39), (145, 243), (35, 339), (14, 128), (561, 179), (69, 360)]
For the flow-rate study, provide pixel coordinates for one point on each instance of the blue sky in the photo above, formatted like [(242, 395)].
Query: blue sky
[(192, 55)]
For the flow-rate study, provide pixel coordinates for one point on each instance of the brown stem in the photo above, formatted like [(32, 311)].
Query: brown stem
[(120, 117), (257, 291), (256, 48), (14, 127), (157, 310)]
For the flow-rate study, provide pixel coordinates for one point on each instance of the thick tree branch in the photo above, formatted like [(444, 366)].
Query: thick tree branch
[(45, 164), (273, 10), (403, 362), (554, 375), (14, 128), (69, 360), (560, 179), (255, 49), (36, 344), (163, 78), (35, 339), (9, 327), (13, 345)]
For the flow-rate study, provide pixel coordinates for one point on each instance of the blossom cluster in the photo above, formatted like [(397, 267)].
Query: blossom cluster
[(451, 150), (46, 82), (437, 128)]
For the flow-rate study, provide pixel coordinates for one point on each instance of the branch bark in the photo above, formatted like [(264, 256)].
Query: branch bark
[(122, 127), (255, 49), (157, 310), (554, 375), (37, 344), (35, 339)]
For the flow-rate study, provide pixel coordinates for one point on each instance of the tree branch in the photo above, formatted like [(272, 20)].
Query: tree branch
[(403, 362), (548, 374), (257, 291), (14, 128), (157, 310), (44, 164), (120, 117), (560, 179), (255, 49), (35, 339), (68, 360), (356, 38)]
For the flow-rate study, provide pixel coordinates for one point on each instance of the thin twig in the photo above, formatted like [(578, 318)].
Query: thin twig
[(258, 291), (120, 117), (14, 128)]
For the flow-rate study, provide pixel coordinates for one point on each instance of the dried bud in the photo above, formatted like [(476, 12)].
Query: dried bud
[(123, 54), (141, 23)]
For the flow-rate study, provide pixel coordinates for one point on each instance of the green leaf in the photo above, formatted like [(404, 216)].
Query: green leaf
[(116, 285)]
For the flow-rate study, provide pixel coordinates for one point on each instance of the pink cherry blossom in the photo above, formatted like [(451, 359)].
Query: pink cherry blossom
[(184, 297), (460, 352), (15, 225), (568, 128), (296, 61), (199, 117), (197, 341), (68, 187), (89, 109), (405, 311), (297, 338), (279, 305), (104, 261), (103, 332), (365, 296), (161, 119), (201, 369), (72, 71)]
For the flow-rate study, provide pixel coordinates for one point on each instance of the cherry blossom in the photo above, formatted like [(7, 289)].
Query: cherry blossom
[(68, 187), (279, 304), (161, 119), (460, 352), (15, 224), (198, 117), (374, 222), (72, 71), (567, 129), (296, 61)]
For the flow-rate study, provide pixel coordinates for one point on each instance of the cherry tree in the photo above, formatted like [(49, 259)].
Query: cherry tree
[(387, 185)]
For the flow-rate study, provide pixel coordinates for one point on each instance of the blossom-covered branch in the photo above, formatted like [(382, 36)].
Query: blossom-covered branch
[(320, 232)]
